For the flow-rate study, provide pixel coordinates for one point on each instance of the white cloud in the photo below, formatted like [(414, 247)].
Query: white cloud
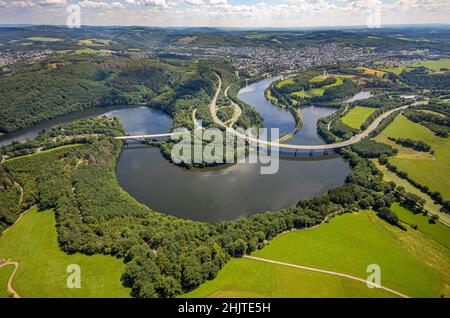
[(195, 2), (218, 2), (290, 13), (52, 2), (89, 4)]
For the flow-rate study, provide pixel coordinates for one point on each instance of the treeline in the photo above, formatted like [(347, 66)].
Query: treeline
[(368, 148), (10, 197), (420, 77), (341, 92), (417, 145), (435, 195), (61, 85), (440, 125)]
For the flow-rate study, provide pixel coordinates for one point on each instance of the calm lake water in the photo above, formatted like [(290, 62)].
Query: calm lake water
[(236, 191), (219, 194)]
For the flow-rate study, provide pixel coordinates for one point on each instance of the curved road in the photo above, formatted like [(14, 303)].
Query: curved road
[(276, 144)]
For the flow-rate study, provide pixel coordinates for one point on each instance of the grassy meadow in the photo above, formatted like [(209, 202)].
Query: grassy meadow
[(318, 91), (357, 116), (430, 206), (436, 231), (427, 169), (371, 71), (44, 39), (32, 242), (244, 277), (434, 65), (347, 244)]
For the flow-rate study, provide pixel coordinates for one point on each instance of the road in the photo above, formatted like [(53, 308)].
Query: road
[(275, 144), (237, 110), (323, 271)]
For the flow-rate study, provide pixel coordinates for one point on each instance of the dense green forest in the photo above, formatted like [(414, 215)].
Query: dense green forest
[(54, 87)]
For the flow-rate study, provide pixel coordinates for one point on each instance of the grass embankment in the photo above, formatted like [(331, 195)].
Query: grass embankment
[(436, 231), (410, 262), (426, 169), (430, 206), (32, 242), (357, 116)]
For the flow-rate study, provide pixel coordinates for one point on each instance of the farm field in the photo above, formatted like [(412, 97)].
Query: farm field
[(434, 65), (430, 170), (349, 243), (395, 69), (430, 206), (244, 277), (94, 42), (438, 231), (371, 71), (32, 242), (357, 116), (92, 51), (44, 39)]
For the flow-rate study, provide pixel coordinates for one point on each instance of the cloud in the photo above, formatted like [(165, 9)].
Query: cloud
[(52, 2), (195, 2), (89, 4), (218, 2), (257, 13)]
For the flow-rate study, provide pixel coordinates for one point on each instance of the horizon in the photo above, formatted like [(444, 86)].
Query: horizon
[(308, 28)]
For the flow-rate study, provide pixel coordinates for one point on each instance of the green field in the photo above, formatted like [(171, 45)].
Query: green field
[(438, 231), (251, 278), (430, 206), (42, 271), (357, 116), (92, 51), (434, 65), (44, 39), (318, 91), (347, 244), (351, 242), (430, 170), (395, 69), (5, 273), (94, 42)]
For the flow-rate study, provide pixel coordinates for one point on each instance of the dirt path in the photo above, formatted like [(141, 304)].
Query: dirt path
[(323, 271), (9, 287)]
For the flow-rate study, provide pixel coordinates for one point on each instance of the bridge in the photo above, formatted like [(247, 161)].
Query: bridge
[(275, 144)]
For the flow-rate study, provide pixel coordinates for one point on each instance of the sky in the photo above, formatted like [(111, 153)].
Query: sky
[(226, 13)]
